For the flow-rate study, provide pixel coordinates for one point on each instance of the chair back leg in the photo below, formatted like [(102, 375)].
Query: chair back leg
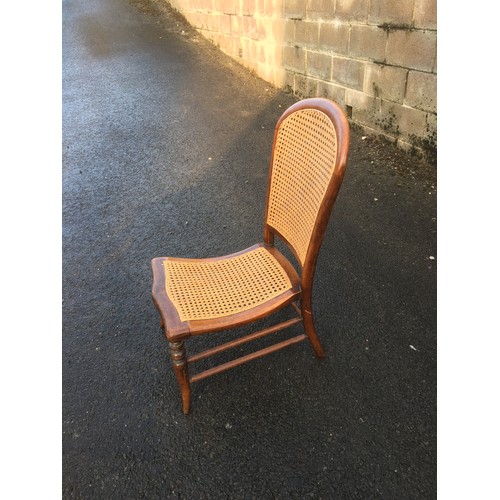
[(310, 329)]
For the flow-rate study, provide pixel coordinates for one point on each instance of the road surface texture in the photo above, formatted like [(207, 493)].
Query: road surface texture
[(166, 147)]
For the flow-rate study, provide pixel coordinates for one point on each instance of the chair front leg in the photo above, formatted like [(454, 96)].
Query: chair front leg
[(180, 367)]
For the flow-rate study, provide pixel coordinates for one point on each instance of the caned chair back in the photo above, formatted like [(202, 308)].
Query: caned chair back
[(307, 168)]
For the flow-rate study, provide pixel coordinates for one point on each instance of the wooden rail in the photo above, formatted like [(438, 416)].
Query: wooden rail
[(243, 340), (254, 355)]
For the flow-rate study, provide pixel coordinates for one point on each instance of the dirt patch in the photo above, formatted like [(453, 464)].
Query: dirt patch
[(162, 9), (146, 7), (382, 155)]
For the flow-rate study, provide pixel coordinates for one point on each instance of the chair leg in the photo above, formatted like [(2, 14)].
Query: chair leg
[(180, 367), (307, 318)]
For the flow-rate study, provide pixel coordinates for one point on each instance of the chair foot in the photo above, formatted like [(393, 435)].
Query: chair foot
[(180, 367), (311, 333), (161, 322)]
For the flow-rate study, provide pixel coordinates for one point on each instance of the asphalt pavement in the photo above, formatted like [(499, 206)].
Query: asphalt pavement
[(166, 147)]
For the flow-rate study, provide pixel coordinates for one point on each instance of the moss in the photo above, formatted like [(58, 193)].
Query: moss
[(389, 125), (428, 146), (388, 27)]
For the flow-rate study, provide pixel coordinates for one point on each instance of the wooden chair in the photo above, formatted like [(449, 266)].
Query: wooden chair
[(198, 296)]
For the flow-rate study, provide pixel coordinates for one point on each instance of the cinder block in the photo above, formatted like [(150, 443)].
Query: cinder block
[(365, 108), (421, 91), (348, 72), (395, 12), (318, 65), (267, 8), (429, 142), (253, 52), (263, 58), (413, 49), (250, 27), (229, 7), (274, 8), (431, 124), (269, 52), (260, 7), (333, 92), (352, 10), (278, 54), (307, 33), (215, 38), (207, 5), (265, 72), (264, 28), (368, 42), (284, 31), (247, 51), (320, 9), (279, 77), (235, 42), (260, 54), (290, 31), (294, 58), (225, 44), (386, 82), (213, 23), (305, 86), (194, 19), (237, 25), (426, 14), (225, 24), (334, 37), (289, 81), (294, 8), (205, 21), (402, 121), (248, 7), (245, 48)]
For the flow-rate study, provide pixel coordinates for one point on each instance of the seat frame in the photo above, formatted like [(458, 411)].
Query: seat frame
[(299, 297)]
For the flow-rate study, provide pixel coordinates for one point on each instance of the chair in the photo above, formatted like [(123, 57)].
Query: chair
[(199, 296)]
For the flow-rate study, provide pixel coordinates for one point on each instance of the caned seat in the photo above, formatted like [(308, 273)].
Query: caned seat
[(200, 296), (221, 292)]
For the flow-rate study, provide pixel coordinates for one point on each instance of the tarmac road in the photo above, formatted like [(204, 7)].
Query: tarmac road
[(166, 146)]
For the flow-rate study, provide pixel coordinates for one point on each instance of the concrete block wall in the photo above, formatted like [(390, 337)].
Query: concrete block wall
[(376, 58)]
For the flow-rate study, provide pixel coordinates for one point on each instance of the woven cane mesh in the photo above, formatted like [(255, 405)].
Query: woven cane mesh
[(207, 290), (304, 160)]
